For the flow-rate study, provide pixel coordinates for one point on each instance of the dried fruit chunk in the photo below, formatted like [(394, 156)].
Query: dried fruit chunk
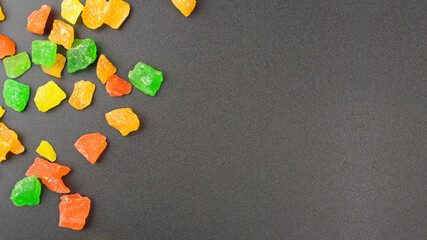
[(16, 95), (9, 142), (73, 211), (104, 68), (49, 96), (93, 13), (1, 15), (116, 13), (82, 94), (123, 119), (81, 54), (62, 34), (117, 87), (146, 78), (57, 67), (71, 9), (55, 185), (185, 6), (7, 47), (26, 192), (46, 150), (44, 52), (17, 65), (36, 22), (91, 146), (2, 111), (44, 169)]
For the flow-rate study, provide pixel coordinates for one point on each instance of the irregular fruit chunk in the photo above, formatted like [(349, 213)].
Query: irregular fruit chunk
[(146, 78), (46, 150), (93, 13), (73, 211), (44, 169), (1, 15), (2, 111), (37, 20), (116, 13), (104, 68), (26, 192), (17, 65), (123, 119), (185, 6), (71, 9), (91, 146), (55, 185), (82, 94), (81, 54), (117, 87), (49, 96), (44, 52), (57, 67), (9, 142), (16, 95), (7, 47), (62, 34)]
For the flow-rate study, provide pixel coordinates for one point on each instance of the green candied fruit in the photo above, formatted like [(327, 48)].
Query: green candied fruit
[(16, 95), (81, 54), (146, 78), (44, 52), (17, 65), (26, 192)]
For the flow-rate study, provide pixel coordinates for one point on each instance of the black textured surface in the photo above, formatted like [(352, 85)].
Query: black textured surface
[(277, 120)]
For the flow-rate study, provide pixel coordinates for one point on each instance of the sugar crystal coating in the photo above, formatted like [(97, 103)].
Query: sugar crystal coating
[(73, 211), (91, 146), (44, 52), (82, 94), (71, 9), (36, 22), (146, 78), (16, 95), (48, 96), (123, 119), (7, 47), (94, 13), (17, 65), (26, 192), (116, 13), (81, 54), (46, 150), (62, 34), (57, 67)]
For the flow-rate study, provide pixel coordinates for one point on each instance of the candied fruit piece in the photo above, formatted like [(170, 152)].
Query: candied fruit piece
[(17, 65), (117, 87), (37, 20), (185, 6), (57, 67), (71, 9), (73, 211), (82, 94), (123, 119), (2, 111), (55, 185), (146, 78), (46, 150), (104, 68), (81, 54), (116, 13), (44, 169), (62, 34), (26, 192), (49, 96), (44, 52), (7, 47), (91, 146), (93, 13), (16, 95), (9, 142), (1, 15)]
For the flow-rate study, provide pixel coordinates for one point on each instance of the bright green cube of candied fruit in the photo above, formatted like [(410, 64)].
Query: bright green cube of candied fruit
[(146, 78), (16, 95), (17, 65), (44, 52), (81, 54), (26, 192)]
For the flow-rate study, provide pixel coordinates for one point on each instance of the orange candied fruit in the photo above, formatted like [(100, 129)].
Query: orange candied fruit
[(124, 120), (36, 22), (117, 87), (73, 211), (104, 68), (91, 146), (7, 47), (185, 6), (62, 34)]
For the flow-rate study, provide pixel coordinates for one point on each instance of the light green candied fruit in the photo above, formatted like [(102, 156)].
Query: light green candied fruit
[(17, 65)]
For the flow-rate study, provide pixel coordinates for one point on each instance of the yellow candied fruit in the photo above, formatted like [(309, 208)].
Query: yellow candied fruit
[(71, 9), (82, 94), (2, 111), (94, 13), (123, 119), (1, 15), (48, 96), (46, 150), (57, 67)]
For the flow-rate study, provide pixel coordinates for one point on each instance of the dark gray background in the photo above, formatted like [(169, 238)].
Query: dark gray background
[(276, 120)]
